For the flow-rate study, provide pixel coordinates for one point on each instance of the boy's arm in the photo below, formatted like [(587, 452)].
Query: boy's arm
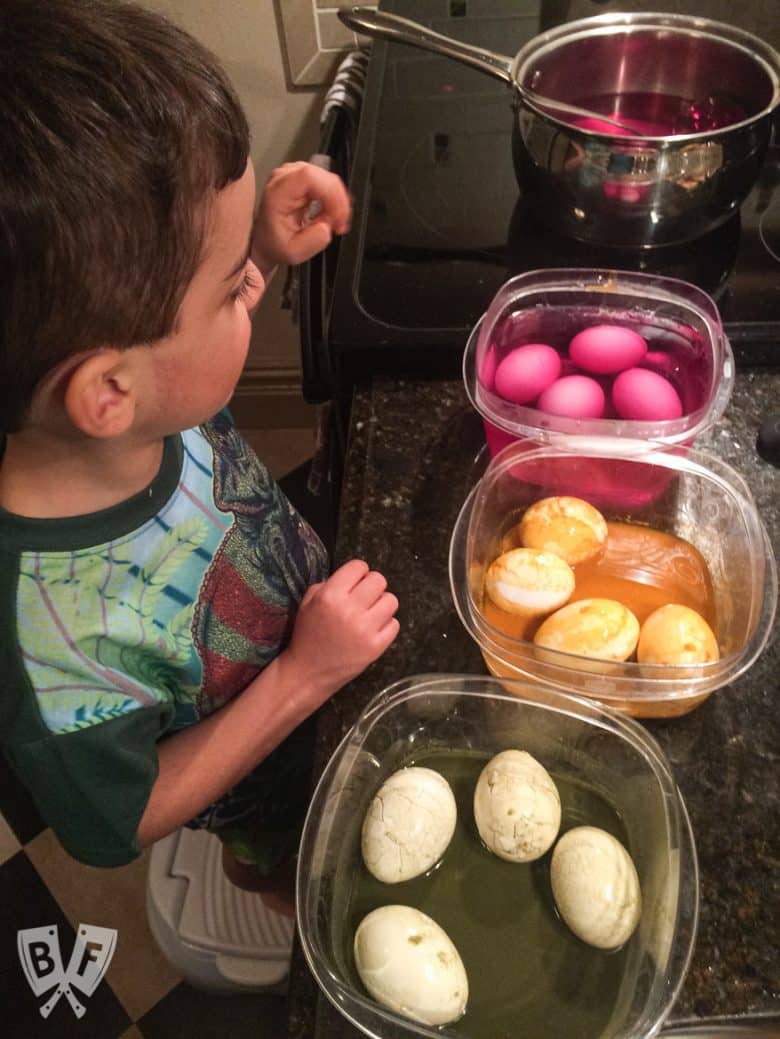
[(342, 626)]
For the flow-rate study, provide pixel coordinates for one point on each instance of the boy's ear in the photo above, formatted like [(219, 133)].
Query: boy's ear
[(99, 396)]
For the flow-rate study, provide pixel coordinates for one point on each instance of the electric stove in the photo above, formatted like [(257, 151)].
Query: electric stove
[(440, 222)]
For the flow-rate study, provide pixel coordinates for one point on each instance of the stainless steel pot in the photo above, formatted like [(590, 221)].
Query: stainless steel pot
[(687, 75)]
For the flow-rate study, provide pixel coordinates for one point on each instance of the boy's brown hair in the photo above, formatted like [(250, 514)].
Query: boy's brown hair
[(116, 128)]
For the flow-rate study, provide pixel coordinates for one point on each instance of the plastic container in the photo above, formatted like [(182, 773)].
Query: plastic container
[(681, 324), (576, 741), (705, 503)]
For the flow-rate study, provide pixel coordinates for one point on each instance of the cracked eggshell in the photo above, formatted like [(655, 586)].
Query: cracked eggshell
[(517, 807), (527, 582), (568, 527), (408, 963), (596, 887), (603, 629), (408, 825)]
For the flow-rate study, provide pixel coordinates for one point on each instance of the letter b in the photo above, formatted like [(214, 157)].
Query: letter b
[(40, 954)]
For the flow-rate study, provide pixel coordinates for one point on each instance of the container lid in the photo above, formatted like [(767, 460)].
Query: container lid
[(747, 1026), (716, 513), (687, 346), (482, 715)]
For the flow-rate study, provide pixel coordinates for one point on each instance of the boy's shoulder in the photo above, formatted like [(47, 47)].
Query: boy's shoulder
[(239, 476)]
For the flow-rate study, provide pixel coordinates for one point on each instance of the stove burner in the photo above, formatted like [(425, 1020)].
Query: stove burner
[(441, 223), (707, 262)]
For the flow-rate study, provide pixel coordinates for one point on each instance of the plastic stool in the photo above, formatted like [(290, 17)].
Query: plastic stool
[(217, 936)]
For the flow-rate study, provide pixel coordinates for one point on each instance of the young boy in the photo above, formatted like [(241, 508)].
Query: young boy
[(150, 570)]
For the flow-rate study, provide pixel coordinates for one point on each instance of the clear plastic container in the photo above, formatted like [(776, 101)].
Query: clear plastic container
[(703, 501), (578, 742), (680, 323)]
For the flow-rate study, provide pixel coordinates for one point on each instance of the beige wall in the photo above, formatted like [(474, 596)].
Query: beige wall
[(245, 35)]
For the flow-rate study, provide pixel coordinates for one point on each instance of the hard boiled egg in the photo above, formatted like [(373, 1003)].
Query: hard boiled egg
[(517, 807), (569, 527), (596, 887), (606, 349), (645, 396), (526, 371), (408, 825), (408, 963), (573, 396), (600, 628), (528, 582), (675, 634)]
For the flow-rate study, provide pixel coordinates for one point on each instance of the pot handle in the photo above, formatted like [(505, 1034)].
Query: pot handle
[(392, 27)]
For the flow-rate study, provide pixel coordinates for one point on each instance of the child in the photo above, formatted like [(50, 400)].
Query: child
[(150, 570)]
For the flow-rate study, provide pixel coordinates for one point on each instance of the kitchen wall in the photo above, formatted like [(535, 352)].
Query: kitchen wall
[(280, 54)]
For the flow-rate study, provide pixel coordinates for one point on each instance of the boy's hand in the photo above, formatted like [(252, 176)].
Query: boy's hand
[(284, 230), (342, 626)]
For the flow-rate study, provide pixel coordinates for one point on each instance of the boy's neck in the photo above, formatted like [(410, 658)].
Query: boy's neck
[(46, 477)]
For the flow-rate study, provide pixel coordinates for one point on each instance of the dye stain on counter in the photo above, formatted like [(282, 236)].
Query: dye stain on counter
[(528, 974)]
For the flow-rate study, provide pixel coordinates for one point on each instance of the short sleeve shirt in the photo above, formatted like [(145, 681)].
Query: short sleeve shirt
[(121, 627)]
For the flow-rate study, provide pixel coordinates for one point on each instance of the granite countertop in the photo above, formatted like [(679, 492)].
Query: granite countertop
[(411, 461)]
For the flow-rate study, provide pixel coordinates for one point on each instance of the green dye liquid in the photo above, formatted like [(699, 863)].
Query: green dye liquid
[(529, 977)]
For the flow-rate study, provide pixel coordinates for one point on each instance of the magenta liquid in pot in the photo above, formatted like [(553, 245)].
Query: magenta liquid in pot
[(660, 115)]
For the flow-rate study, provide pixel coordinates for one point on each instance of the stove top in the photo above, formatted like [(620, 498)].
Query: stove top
[(441, 223)]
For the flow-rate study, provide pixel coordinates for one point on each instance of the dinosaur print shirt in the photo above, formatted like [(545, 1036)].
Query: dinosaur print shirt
[(124, 626)]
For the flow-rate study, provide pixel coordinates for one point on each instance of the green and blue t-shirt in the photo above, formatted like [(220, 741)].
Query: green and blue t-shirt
[(120, 627)]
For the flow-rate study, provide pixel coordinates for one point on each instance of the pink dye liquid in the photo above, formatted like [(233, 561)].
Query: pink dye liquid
[(676, 351), (660, 115)]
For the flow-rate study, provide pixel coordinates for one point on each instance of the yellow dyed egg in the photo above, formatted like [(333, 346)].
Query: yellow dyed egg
[(676, 634), (600, 628), (528, 582), (569, 527)]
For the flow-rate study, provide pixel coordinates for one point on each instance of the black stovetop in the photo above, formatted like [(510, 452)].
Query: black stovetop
[(441, 224)]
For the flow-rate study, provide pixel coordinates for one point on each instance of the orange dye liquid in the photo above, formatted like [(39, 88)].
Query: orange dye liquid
[(639, 567)]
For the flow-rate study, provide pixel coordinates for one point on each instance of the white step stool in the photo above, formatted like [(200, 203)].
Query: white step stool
[(217, 936)]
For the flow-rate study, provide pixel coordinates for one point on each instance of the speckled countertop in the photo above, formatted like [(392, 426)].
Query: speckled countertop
[(413, 445)]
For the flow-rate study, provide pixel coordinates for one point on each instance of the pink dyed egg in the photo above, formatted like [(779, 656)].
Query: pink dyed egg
[(605, 349), (645, 396), (526, 371), (573, 396)]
